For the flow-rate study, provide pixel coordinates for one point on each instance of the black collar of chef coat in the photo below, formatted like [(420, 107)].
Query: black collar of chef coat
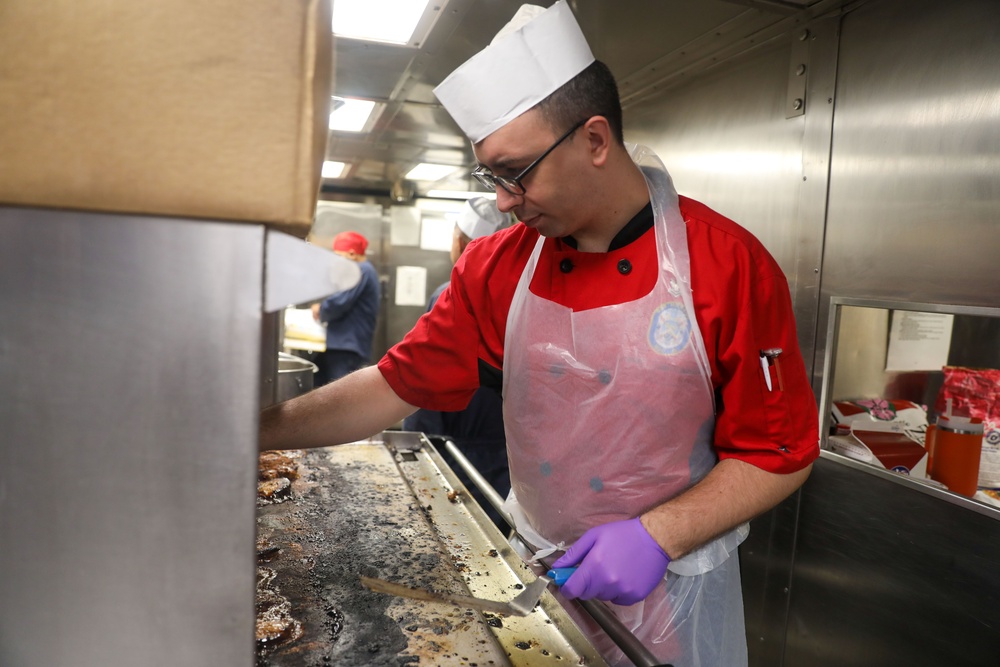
[(641, 223)]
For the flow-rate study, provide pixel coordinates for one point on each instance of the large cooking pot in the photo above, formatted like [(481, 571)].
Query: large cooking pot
[(295, 376)]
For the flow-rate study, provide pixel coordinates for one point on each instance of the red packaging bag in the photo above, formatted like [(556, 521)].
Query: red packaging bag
[(975, 392)]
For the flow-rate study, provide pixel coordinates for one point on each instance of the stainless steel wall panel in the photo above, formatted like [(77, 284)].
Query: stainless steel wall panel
[(766, 559), (727, 142), (129, 351), (888, 575), (820, 65), (915, 173)]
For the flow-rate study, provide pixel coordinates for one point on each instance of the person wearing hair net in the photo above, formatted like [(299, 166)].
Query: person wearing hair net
[(479, 217), (478, 429), (655, 398), (349, 316)]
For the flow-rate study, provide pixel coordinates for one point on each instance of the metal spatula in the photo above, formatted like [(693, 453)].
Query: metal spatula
[(520, 605)]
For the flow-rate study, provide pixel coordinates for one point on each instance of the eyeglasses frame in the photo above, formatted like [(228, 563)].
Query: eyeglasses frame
[(491, 180)]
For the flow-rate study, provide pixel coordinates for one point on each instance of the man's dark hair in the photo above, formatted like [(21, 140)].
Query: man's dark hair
[(592, 92)]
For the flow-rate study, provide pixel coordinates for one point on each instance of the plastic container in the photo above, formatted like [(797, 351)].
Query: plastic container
[(956, 445), (929, 446)]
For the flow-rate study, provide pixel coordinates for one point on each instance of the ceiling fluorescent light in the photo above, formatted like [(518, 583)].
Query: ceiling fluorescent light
[(350, 115), (390, 21), (333, 169), (425, 171)]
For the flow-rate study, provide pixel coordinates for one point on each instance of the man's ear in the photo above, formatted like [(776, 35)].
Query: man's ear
[(598, 133)]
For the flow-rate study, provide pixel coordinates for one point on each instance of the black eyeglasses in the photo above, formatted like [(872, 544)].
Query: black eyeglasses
[(514, 185)]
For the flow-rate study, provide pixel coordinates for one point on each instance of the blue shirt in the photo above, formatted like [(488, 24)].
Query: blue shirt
[(436, 295), (350, 315)]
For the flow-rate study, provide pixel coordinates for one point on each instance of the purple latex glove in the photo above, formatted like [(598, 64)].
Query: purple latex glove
[(618, 561)]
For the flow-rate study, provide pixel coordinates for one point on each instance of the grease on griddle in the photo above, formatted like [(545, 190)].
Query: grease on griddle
[(335, 621), (275, 624), (459, 565), (493, 621), (266, 550)]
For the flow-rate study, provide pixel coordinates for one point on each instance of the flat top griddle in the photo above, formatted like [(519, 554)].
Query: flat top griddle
[(389, 507)]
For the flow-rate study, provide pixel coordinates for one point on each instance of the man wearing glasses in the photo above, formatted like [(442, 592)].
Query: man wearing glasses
[(625, 326)]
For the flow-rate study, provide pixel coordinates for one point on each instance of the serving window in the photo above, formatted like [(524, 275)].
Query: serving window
[(894, 368)]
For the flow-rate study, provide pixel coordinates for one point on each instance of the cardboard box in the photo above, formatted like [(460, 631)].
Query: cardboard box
[(883, 445), (181, 108)]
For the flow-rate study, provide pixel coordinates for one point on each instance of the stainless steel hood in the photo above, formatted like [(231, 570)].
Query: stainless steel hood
[(648, 45)]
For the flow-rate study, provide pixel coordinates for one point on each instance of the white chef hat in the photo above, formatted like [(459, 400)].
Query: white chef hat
[(480, 217), (532, 56)]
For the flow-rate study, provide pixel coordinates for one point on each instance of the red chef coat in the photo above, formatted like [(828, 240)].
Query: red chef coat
[(741, 302)]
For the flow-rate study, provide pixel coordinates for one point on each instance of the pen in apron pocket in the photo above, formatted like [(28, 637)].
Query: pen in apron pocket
[(768, 358)]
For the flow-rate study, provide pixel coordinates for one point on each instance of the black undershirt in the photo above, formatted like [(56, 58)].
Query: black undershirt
[(640, 223)]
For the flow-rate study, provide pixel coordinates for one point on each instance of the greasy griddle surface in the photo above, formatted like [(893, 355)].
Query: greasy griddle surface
[(349, 514)]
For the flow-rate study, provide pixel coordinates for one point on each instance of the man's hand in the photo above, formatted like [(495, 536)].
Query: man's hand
[(618, 561)]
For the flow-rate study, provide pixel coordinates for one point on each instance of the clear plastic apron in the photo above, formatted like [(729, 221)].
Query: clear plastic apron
[(609, 412)]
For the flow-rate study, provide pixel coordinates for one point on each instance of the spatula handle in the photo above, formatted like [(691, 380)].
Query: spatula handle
[(559, 575)]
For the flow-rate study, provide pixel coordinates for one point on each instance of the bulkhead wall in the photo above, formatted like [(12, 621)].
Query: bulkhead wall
[(887, 186)]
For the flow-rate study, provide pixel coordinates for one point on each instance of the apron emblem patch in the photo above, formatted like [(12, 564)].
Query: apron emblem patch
[(670, 329)]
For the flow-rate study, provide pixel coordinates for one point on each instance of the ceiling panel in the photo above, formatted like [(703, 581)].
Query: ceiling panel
[(369, 70), (638, 39)]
